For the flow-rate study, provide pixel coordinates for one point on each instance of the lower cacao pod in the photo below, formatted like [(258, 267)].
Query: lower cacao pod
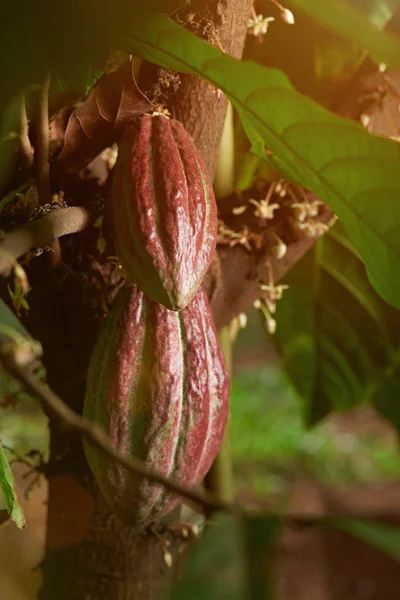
[(163, 211), (158, 385)]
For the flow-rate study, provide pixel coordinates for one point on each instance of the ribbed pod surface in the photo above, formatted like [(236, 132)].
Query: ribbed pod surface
[(157, 383), (163, 211)]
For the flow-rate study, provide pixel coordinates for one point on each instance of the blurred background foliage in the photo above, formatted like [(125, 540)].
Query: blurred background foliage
[(271, 443)]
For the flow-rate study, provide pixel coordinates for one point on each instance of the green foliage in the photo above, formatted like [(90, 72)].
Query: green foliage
[(387, 393), (339, 339), (15, 338), (9, 492), (9, 322), (271, 444), (14, 335), (331, 156)]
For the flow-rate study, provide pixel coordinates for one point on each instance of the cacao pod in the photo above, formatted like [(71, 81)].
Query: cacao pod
[(158, 385), (163, 211)]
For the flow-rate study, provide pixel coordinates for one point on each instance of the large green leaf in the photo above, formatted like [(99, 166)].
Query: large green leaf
[(335, 158), (339, 340), (341, 17), (36, 37), (9, 492), (386, 395)]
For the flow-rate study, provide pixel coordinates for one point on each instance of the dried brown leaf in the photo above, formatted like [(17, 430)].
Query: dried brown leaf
[(77, 136)]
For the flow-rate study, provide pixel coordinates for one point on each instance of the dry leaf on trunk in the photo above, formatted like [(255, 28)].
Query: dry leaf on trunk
[(77, 136)]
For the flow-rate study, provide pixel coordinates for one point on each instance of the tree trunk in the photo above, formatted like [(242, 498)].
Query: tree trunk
[(90, 554)]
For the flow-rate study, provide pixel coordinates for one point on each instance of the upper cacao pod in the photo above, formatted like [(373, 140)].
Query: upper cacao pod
[(163, 211), (158, 385)]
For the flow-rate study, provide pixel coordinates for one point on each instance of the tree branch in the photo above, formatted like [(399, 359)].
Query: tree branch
[(98, 438), (40, 234)]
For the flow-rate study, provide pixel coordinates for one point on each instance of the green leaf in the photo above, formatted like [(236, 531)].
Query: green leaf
[(13, 506), (335, 158), (382, 537), (9, 322), (101, 244), (12, 332), (87, 27), (339, 340), (386, 395), (229, 562), (78, 76), (351, 23)]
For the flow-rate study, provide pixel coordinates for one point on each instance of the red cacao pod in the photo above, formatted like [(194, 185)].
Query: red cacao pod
[(163, 211), (158, 385)]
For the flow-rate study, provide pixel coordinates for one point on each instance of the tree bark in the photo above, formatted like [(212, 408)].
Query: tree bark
[(90, 554)]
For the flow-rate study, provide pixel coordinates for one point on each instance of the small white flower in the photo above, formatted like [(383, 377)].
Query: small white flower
[(264, 210), (258, 26)]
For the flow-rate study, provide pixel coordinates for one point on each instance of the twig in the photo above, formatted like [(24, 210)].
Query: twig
[(42, 129), (19, 458), (40, 234), (96, 435)]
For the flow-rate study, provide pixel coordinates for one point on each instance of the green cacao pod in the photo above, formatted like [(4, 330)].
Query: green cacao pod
[(163, 211), (158, 385)]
